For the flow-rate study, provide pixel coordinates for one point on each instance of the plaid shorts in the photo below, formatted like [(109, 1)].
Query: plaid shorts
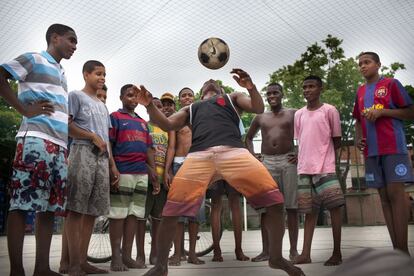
[(39, 177)]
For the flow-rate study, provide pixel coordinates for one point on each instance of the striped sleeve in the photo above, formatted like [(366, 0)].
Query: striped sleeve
[(356, 113), (149, 137), (20, 67), (113, 131), (399, 95)]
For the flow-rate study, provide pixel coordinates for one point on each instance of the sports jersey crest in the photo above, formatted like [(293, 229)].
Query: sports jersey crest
[(381, 92)]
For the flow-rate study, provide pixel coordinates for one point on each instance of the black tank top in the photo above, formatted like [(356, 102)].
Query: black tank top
[(214, 123)]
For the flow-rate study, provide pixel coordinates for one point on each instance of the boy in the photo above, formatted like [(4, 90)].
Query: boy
[(178, 148), (381, 105), (168, 104), (216, 191), (90, 167), (131, 145), (218, 152), (40, 165), (318, 132), (101, 94), (279, 158), (155, 202)]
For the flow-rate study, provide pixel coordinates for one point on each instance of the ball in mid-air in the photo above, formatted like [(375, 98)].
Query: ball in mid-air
[(213, 53)]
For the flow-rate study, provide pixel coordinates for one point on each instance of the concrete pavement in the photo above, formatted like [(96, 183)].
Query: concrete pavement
[(353, 240)]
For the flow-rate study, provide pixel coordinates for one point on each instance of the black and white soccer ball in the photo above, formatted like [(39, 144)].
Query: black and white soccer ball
[(213, 53)]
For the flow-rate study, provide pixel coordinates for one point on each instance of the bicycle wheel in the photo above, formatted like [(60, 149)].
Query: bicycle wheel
[(204, 244), (99, 250)]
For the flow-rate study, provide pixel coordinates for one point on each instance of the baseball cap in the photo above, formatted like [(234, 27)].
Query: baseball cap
[(167, 97)]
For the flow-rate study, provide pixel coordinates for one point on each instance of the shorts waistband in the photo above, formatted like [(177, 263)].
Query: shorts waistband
[(278, 157), (179, 159)]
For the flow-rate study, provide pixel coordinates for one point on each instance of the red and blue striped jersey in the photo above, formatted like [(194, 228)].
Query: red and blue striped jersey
[(130, 140), (385, 135)]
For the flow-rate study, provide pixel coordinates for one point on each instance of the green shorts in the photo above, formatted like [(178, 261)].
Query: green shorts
[(130, 198)]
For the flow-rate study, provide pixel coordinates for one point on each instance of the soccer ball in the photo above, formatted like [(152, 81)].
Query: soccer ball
[(213, 53)]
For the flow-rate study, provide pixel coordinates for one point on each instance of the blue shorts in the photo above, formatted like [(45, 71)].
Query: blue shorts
[(386, 169), (39, 178)]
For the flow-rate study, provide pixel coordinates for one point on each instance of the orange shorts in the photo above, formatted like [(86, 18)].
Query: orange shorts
[(235, 165)]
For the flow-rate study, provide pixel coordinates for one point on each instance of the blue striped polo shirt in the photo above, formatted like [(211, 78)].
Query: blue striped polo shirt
[(40, 78)]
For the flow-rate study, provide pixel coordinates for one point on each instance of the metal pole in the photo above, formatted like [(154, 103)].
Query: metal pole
[(245, 213)]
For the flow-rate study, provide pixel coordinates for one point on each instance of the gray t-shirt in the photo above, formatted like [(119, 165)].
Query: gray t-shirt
[(90, 114)]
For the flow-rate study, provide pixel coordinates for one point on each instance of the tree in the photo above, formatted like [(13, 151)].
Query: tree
[(9, 118), (9, 125)]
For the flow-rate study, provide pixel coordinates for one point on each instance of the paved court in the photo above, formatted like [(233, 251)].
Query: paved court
[(354, 239)]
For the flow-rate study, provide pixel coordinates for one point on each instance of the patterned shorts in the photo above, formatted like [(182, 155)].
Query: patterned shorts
[(88, 181), (130, 198), (315, 190), (39, 176)]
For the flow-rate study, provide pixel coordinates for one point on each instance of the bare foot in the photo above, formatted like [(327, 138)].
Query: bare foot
[(286, 266), (261, 257), (174, 260), (152, 259), (195, 260), (118, 265), (302, 259), (63, 268), (217, 258), (46, 273), (335, 259), (19, 271), (90, 269), (240, 256), (76, 271), (157, 271), (140, 259), (183, 258), (130, 263), (293, 254), (16, 271)]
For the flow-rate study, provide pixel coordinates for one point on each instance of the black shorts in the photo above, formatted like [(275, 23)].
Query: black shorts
[(221, 187)]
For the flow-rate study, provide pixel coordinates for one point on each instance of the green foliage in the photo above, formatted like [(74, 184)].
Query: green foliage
[(9, 118), (390, 71), (9, 124)]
